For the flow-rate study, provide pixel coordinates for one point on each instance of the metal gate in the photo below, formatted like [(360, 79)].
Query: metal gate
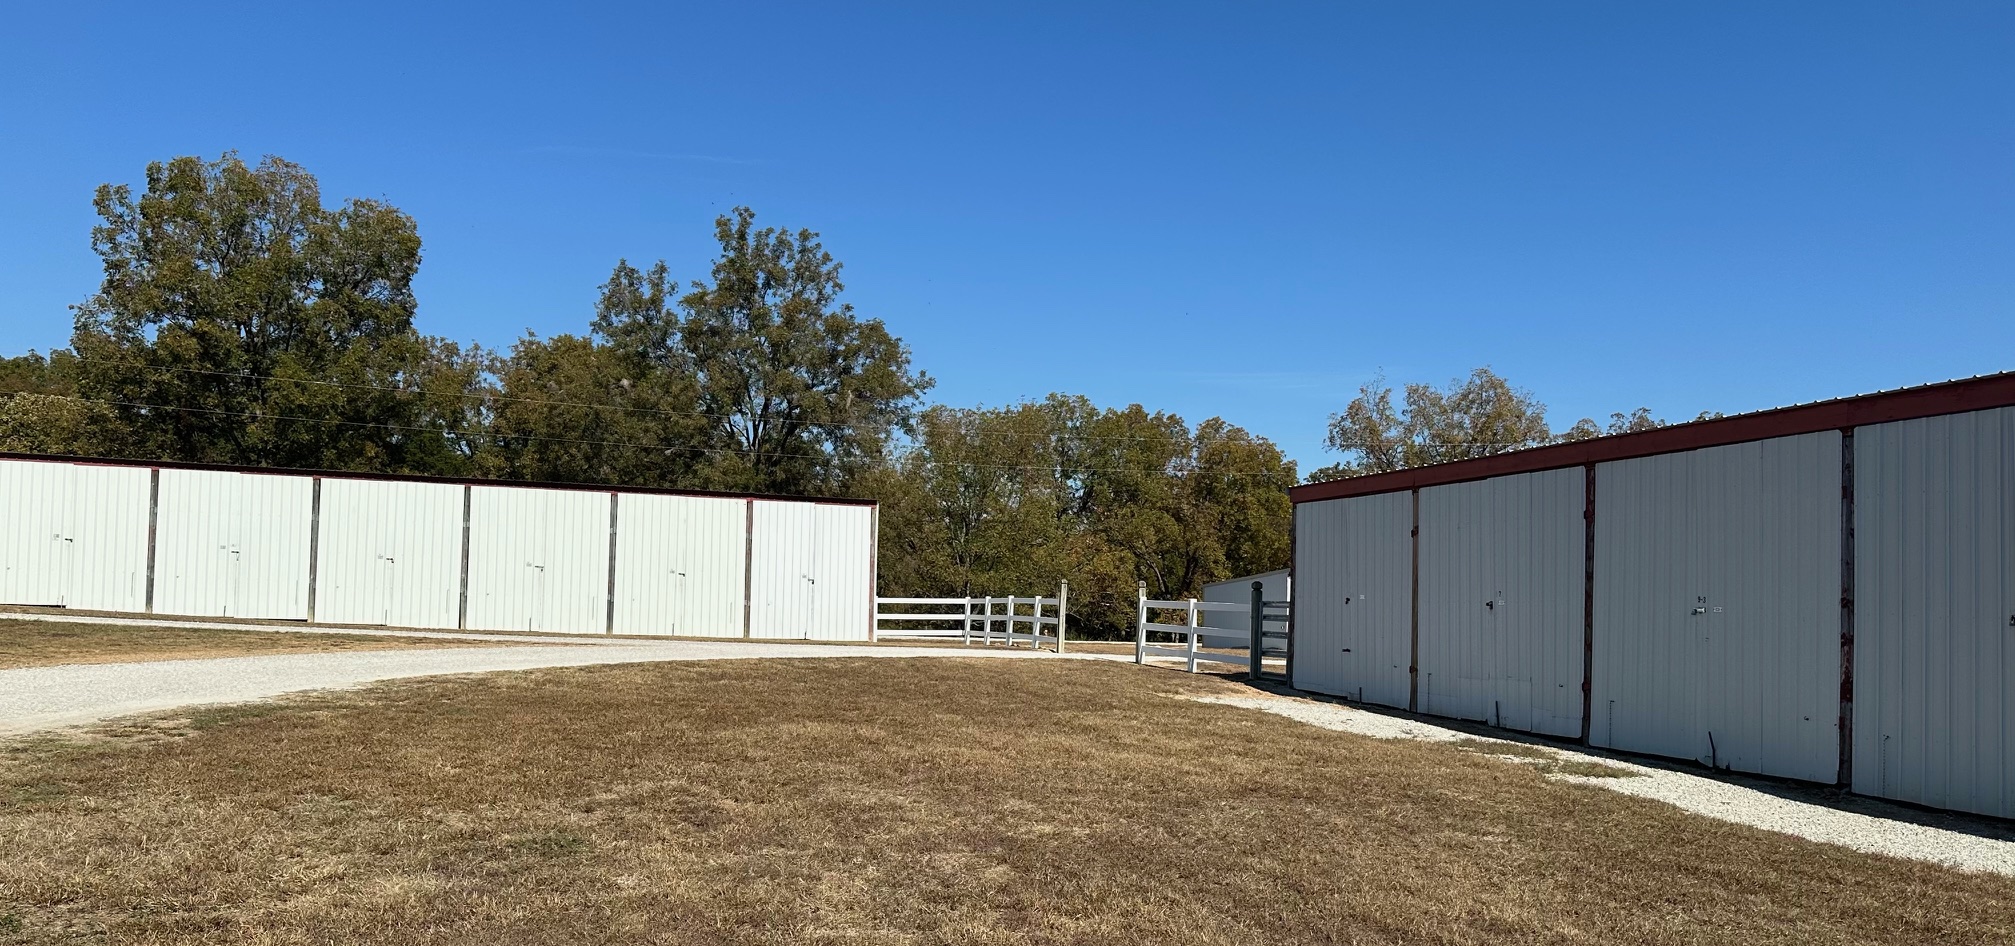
[(1272, 636)]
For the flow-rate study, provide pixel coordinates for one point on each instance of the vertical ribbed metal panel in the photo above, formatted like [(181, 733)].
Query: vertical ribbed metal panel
[(107, 531), (538, 560), (810, 571), (1934, 588), (781, 571), (843, 595), (35, 558), (1501, 579), (679, 562), (390, 553), (1717, 606), (1353, 607), (233, 544)]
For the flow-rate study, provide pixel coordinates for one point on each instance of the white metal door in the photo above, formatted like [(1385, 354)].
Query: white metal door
[(1934, 611), (680, 562), (233, 544), (34, 498), (1717, 606), (390, 553), (538, 559), (106, 524), (1502, 567), (783, 580), (843, 586), (1353, 605)]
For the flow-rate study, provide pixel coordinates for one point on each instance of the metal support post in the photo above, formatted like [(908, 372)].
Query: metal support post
[(1257, 655)]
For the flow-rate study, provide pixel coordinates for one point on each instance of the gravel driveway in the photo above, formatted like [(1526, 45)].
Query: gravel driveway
[(1816, 814), (45, 697)]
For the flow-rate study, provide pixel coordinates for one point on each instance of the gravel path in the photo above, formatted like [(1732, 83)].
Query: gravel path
[(35, 698), (1951, 840), (61, 618)]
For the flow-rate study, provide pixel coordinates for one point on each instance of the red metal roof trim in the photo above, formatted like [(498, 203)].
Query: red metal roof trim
[(446, 480), (1947, 397)]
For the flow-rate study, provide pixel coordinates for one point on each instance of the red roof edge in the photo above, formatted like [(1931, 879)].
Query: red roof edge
[(1945, 397)]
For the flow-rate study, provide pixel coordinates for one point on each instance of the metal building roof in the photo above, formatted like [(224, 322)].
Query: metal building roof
[(1945, 397)]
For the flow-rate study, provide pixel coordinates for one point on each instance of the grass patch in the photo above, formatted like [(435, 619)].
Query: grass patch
[(1586, 769), (887, 801), (50, 643), (1499, 747)]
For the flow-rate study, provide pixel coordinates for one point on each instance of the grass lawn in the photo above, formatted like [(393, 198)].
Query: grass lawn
[(882, 801), (48, 643)]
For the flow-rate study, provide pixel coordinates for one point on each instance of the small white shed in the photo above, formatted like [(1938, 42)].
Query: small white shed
[(1239, 590)]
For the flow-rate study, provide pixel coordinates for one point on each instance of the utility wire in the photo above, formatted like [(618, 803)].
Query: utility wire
[(519, 399), (901, 457)]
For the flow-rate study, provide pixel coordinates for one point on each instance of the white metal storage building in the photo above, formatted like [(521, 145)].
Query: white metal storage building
[(346, 548), (1823, 592)]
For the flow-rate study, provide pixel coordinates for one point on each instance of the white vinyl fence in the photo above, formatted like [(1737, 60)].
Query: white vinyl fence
[(1008, 620), (1266, 615)]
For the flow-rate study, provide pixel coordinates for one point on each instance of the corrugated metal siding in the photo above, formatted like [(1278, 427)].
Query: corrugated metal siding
[(1501, 592), (1934, 538), (75, 536), (843, 608), (389, 553), (538, 560), (107, 529), (1353, 608), (811, 575), (233, 544), (679, 565), (1717, 606)]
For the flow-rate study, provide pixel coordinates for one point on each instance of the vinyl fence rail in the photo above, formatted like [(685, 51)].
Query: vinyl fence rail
[(1009, 620), (1252, 657)]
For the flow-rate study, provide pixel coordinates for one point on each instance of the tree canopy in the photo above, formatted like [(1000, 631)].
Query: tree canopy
[(240, 320), (1023, 496)]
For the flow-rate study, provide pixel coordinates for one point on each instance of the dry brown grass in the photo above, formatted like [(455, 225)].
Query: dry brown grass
[(883, 801), (48, 643)]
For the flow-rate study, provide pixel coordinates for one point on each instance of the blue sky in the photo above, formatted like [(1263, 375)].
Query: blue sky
[(1227, 210)]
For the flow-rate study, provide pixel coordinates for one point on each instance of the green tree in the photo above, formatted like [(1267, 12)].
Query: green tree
[(1619, 423), (241, 321), (1011, 500), (802, 393), (1477, 416)]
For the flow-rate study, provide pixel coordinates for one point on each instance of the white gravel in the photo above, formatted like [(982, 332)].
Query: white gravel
[(1909, 834), (36, 698)]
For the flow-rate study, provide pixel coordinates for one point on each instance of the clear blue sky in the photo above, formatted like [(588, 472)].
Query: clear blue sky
[(1235, 210)]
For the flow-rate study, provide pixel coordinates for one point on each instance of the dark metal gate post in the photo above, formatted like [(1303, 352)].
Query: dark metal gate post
[(1257, 654)]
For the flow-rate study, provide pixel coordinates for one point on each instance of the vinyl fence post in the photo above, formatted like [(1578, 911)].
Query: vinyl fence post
[(1257, 654), (987, 624), (966, 626), (1062, 610), (1192, 635), (1140, 629)]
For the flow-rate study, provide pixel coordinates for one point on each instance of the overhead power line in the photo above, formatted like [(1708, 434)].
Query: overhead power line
[(662, 448)]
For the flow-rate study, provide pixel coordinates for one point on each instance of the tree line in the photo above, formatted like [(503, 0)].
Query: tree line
[(241, 320)]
